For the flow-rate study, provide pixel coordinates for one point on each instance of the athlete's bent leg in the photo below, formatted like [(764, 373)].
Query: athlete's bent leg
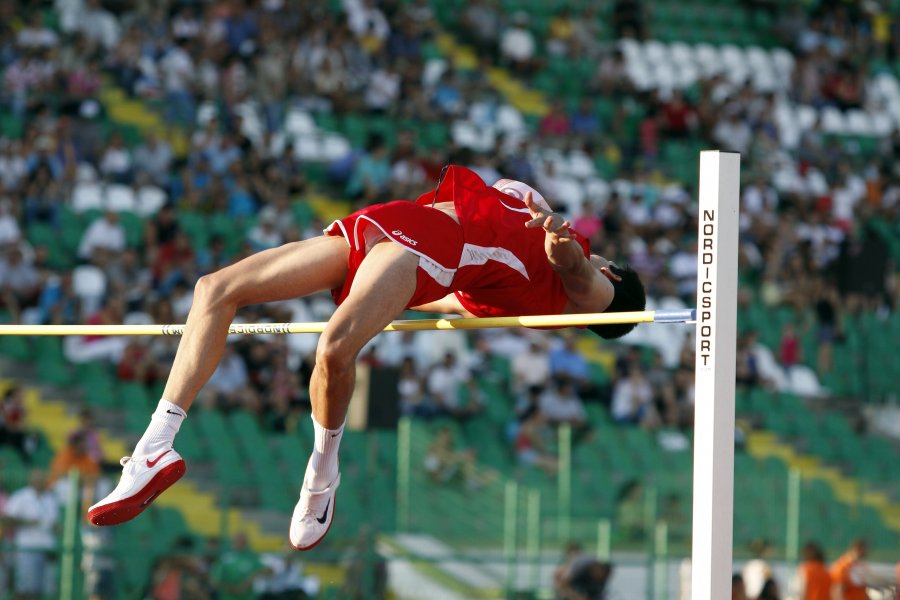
[(290, 271), (382, 288)]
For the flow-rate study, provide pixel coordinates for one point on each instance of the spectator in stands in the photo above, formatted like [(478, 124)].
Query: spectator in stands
[(13, 419), (88, 430), (518, 46), (747, 370), (137, 363), (560, 404), (757, 571), (789, 351), (678, 118), (116, 163), (630, 511), (43, 197), (33, 513), (567, 362), (556, 123), (264, 234), (20, 283), (733, 133), (481, 24), (74, 455), (573, 555), (770, 591), (411, 389), (102, 238), (632, 400), (181, 574), (584, 121), (561, 33), (10, 233), (444, 382), (229, 381), (371, 174), (737, 588), (153, 157), (236, 570), (813, 579), (445, 463), (178, 73), (851, 573), (827, 325), (530, 369), (587, 580), (531, 451)]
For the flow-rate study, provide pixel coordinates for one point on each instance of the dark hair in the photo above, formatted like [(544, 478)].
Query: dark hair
[(813, 552), (628, 296)]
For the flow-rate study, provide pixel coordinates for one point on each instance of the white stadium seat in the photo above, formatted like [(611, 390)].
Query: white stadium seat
[(120, 198), (87, 196), (149, 200), (299, 123)]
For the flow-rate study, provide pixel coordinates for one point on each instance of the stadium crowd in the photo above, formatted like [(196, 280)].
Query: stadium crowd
[(215, 68), (228, 74)]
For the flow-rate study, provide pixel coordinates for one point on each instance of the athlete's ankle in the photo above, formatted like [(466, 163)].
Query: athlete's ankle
[(160, 434), (319, 479)]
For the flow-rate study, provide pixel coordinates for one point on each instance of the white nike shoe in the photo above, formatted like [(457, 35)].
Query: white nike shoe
[(143, 479), (313, 515)]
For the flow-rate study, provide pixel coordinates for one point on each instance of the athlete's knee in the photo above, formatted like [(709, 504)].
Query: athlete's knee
[(334, 355), (213, 289)]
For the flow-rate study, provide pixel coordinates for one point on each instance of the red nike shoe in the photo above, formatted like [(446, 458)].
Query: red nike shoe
[(143, 479)]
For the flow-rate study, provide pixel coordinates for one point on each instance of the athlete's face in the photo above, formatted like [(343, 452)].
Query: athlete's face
[(603, 265)]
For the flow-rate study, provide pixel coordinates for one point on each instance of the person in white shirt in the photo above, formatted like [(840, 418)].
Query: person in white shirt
[(531, 368), (444, 382), (106, 234), (632, 400), (563, 406), (517, 44), (33, 512)]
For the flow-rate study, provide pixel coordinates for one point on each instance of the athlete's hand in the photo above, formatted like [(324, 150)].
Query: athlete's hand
[(551, 222)]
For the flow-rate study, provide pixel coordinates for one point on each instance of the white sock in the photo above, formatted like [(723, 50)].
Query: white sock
[(323, 463), (164, 424)]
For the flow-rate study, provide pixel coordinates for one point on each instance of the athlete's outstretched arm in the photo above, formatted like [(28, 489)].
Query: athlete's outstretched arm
[(588, 289)]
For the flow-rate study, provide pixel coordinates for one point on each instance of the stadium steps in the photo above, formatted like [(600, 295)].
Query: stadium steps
[(848, 490), (134, 113), (529, 101), (434, 560), (197, 506)]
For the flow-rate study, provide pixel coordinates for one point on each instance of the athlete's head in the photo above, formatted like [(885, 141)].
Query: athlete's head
[(628, 296)]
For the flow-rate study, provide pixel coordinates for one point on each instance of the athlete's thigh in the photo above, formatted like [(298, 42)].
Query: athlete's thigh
[(383, 286), (290, 271)]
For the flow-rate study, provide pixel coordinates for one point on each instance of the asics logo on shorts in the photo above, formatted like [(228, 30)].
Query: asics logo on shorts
[(405, 238)]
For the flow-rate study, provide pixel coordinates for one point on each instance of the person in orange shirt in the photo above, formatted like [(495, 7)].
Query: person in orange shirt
[(74, 456), (813, 576), (850, 573)]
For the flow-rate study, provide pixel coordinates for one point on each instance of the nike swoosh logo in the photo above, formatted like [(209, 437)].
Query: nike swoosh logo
[(172, 412), (325, 514), (152, 463)]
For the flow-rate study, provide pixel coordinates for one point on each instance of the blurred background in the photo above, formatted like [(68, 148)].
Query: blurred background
[(145, 143)]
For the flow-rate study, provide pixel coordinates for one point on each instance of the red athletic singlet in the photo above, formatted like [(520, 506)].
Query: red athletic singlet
[(494, 265)]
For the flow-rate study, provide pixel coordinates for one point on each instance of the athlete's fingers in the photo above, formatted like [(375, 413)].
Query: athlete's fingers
[(535, 209), (536, 222)]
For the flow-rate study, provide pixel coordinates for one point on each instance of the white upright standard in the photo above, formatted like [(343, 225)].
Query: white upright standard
[(714, 385)]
